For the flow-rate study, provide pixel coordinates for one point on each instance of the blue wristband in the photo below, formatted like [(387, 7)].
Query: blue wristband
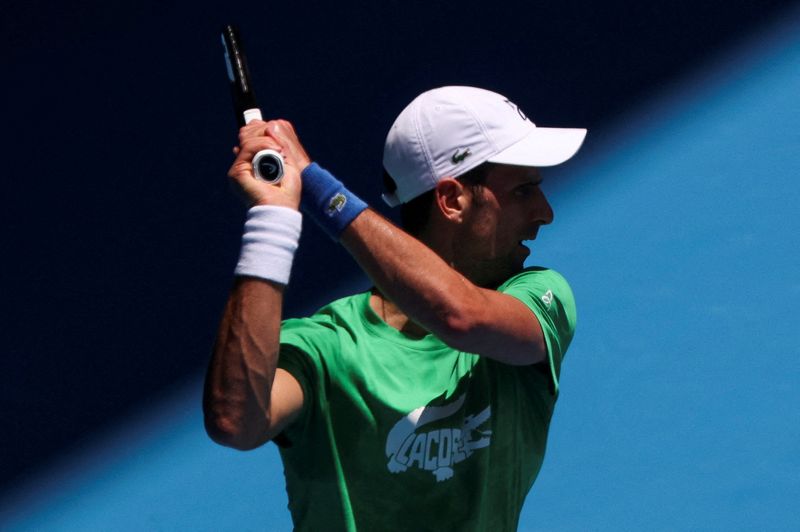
[(327, 201)]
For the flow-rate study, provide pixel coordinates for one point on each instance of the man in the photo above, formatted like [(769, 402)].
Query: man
[(424, 403)]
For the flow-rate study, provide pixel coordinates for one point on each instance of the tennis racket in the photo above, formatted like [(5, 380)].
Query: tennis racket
[(267, 164)]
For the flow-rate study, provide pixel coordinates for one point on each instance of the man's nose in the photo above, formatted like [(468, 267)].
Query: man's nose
[(543, 212)]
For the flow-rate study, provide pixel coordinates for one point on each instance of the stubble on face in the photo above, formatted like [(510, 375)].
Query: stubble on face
[(508, 209), (479, 254)]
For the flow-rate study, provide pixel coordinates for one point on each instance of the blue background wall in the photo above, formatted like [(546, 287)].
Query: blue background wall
[(676, 225)]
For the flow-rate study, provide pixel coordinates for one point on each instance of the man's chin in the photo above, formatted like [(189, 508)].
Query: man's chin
[(522, 250)]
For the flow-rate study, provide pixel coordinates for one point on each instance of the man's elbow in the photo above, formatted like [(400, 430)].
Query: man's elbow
[(457, 329), (223, 431), (460, 320)]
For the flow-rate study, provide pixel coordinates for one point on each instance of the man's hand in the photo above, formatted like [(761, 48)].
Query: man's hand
[(278, 135)]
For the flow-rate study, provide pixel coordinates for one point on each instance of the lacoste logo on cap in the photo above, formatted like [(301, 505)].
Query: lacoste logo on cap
[(458, 157)]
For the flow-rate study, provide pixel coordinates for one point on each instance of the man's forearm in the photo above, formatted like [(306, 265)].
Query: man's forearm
[(242, 370), (441, 299), (412, 275)]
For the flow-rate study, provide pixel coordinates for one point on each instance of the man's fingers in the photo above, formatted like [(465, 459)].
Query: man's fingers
[(254, 130), (284, 133), (278, 135), (251, 146), (279, 128), (260, 135)]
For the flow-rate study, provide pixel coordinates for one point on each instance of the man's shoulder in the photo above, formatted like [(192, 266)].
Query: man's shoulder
[(544, 291), (327, 322), (343, 306), (535, 275)]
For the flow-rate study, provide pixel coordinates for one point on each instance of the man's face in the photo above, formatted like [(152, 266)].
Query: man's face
[(508, 209)]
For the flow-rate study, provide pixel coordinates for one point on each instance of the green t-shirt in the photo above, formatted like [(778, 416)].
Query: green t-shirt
[(409, 434)]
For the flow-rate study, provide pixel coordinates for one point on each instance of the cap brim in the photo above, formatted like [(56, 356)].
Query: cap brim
[(543, 146), (391, 199)]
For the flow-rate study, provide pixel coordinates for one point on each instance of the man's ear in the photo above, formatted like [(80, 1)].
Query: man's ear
[(451, 199)]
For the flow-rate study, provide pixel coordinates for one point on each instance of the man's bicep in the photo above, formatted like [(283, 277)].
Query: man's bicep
[(549, 297), (512, 332)]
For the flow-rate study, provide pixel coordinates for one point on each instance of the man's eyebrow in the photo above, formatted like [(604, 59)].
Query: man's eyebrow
[(533, 182), (535, 179)]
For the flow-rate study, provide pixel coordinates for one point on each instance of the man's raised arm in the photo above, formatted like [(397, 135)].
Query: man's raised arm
[(423, 285), (441, 299), (247, 401)]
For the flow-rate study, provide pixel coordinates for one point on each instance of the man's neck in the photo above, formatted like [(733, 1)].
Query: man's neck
[(394, 317), (442, 242)]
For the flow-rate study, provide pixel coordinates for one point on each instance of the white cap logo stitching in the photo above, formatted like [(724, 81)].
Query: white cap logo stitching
[(515, 106)]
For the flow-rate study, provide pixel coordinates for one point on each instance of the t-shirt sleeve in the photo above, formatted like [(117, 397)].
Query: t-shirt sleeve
[(550, 298), (302, 343)]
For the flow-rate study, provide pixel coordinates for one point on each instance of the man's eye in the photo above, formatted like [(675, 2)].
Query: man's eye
[(525, 190)]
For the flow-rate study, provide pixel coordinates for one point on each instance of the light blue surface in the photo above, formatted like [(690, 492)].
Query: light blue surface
[(680, 405), (159, 472)]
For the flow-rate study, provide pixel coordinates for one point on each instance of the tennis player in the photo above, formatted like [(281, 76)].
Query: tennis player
[(423, 403)]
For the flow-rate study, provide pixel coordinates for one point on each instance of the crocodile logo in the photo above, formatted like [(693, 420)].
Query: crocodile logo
[(336, 204), (459, 157), (436, 450)]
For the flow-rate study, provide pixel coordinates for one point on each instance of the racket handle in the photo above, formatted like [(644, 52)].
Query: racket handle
[(267, 164), (245, 105)]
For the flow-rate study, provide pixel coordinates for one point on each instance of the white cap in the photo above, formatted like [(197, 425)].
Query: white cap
[(448, 131)]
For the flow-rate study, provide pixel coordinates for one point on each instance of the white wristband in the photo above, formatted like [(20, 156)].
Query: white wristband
[(269, 242)]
